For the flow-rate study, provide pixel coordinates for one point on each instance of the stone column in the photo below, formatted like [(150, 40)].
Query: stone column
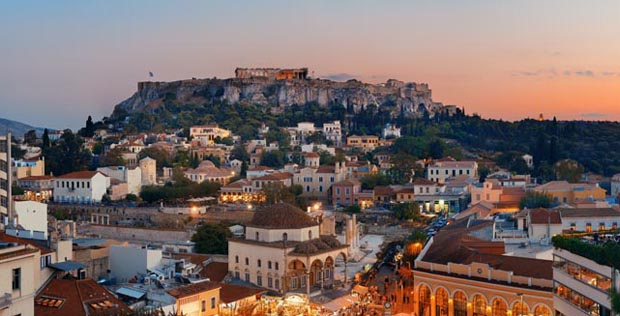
[(470, 309), (345, 272), (307, 276), (433, 306), (322, 278), (450, 307)]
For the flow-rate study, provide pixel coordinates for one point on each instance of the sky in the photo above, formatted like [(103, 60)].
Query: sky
[(61, 61)]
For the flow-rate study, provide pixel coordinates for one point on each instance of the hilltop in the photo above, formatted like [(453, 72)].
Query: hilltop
[(18, 129), (277, 92)]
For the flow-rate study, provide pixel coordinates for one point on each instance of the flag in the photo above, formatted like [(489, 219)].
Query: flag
[(150, 74)]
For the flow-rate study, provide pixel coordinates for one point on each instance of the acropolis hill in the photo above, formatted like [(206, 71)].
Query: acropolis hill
[(281, 88)]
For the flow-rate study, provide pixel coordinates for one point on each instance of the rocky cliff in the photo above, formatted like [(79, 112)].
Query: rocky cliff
[(413, 99)]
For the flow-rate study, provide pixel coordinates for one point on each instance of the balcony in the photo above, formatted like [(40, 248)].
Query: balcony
[(5, 301)]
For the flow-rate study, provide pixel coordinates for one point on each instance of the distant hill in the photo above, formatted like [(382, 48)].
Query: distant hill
[(18, 129)]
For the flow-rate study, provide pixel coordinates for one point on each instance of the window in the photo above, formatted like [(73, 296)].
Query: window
[(310, 234), (236, 274), (258, 262), (257, 236), (277, 283), (236, 259), (247, 277), (259, 280), (346, 191), (17, 279), (589, 227), (203, 306), (212, 302), (277, 266), (268, 264), (247, 261), (284, 236), (269, 282), (338, 191)]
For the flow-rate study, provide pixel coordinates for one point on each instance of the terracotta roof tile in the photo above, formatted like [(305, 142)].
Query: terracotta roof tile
[(230, 293), (193, 289), (281, 216), (80, 175)]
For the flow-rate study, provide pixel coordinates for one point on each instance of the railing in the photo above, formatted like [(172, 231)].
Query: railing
[(516, 233), (6, 300)]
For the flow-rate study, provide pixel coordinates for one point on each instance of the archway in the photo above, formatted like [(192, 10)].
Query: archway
[(296, 274), (542, 310), (517, 310), (328, 271), (480, 305), (460, 304), (499, 307), (441, 302), (424, 301), (316, 274)]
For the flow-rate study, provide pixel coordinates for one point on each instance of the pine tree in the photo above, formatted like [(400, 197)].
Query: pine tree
[(46, 139)]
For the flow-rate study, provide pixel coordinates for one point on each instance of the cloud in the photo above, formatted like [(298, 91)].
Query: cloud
[(593, 115), (585, 73), (340, 76)]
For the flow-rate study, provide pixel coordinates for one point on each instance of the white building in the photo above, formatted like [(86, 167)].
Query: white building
[(440, 171), (206, 134), (131, 176), (148, 167), (81, 187), (127, 262), (32, 216), (333, 132), (529, 160), (207, 171), (5, 175), (390, 131), (282, 250), (615, 185), (581, 285)]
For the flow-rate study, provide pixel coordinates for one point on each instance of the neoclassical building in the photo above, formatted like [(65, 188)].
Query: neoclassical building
[(283, 250), (462, 272)]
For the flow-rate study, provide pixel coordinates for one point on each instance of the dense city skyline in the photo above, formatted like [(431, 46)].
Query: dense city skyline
[(67, 60)]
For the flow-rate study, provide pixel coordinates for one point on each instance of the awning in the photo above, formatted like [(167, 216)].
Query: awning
[(360, 289), (130, 292), (340, 303), (67, 266)]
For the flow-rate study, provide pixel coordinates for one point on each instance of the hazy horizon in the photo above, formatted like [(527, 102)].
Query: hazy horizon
[(65, 60)]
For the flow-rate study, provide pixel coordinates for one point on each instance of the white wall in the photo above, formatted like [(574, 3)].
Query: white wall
[(127, 261), (272, 235), (32, 215), (92, 192)]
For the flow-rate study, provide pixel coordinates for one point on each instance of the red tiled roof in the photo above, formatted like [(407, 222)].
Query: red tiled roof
[(215, 271), (193, 289), (423, 181), (35, 178), (281, 216), (383, 190), (312, 155), (326, 169), (544, 216), (77, 297), (8, 238), (230, 293), (80, 175), (276, 176)]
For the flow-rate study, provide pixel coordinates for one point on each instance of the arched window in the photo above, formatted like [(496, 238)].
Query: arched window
[(424, 300), (269, 264), (542, 311), (257, 236), (499, 307), (258, 263), (247, 261), (236, 259), (460, 304), (310, 234), (480, 305), (441, 302), (518, 311), (284, 237)]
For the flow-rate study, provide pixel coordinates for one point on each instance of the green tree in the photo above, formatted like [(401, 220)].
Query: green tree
[(352, 209), (30, 137), (407, 211), (568, 170), (67, 155), (274, 158), (212, 238), (370, 181), (113, 157), (46, 139), (535, 199), (239, 152)]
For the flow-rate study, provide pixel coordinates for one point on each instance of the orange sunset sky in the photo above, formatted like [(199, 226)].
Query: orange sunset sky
[(64, 60)]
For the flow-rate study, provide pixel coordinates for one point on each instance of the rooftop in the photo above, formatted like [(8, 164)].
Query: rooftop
[(193, 289), (281, 216)]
